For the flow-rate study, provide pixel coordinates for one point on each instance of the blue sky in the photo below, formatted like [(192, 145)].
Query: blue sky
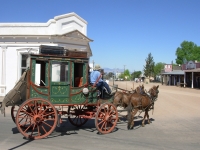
[(124, 31)]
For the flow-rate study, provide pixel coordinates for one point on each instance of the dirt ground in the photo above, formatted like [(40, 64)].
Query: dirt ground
[(172, 100)]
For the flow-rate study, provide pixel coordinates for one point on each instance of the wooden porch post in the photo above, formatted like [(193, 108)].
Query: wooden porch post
[(184, 78), (192, 80)]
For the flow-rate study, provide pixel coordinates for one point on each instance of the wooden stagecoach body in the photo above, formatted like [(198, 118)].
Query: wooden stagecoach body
[(56, 85)]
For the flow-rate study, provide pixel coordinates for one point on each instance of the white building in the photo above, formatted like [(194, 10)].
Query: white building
[(17, 40)]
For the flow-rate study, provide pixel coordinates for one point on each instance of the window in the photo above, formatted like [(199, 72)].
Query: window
[(59, 72), (23, 63), (78, 74), (40, 72)]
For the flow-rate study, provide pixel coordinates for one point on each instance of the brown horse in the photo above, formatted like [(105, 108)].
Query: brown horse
[(143, 102), (122, 98)]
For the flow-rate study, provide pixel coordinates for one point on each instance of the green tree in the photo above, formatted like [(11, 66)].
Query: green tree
[(121, 75), (126, 73), (187, 51), (136, 74), (149, 67), (158, 67)]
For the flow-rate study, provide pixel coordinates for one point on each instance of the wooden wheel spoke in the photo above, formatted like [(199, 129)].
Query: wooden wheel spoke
[(44, 111), (35, 104), (47, 124), (105, 110), (48, 114), (44, 129), (22, 118), (38, 128), (100, 122), (33, 130), (26, 118), (74, 118), (31, 109), (28, 128), (112, 113), (79, 118), (25, 112), (103, 124), (41, 105), (102, 115), (23, 125)]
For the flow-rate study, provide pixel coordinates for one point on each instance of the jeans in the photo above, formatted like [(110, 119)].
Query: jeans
[(102, 84)]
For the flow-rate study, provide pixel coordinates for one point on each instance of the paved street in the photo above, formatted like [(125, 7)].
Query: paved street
[(175, 125)]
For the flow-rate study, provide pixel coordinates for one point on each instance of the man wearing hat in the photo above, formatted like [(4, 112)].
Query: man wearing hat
[(96, 80)]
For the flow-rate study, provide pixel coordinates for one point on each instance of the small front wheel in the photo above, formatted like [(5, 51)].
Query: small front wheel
[(106, 118)]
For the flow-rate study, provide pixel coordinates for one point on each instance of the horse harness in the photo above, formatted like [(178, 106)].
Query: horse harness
[(153, 99)]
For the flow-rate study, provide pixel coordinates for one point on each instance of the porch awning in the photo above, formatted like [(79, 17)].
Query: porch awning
[(174, 72), (193, 70)]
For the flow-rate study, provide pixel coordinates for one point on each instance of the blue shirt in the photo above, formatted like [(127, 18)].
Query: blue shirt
[(94, 76)]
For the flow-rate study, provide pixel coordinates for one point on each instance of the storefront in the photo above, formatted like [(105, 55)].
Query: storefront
[(188, 75), (173, 78)]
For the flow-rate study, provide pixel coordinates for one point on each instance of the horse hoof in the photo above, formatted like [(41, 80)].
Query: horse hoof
[(142, 125)]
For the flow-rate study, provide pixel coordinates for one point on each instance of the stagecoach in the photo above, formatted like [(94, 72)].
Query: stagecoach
[(54, 86)]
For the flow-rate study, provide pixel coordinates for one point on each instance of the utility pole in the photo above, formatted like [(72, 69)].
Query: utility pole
[(124, 72), (93, 65)]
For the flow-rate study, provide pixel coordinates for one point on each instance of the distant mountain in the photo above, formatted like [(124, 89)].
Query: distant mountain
[(107, 70)]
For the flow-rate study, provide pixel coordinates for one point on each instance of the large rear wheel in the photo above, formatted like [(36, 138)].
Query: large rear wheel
[(106, 118), (13, 112), (36, 118)]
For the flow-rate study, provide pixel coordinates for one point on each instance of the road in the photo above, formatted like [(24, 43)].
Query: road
[(175, 125)]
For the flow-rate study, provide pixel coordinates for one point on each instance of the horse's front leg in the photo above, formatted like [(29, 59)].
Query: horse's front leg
[(148, 117), (145, 114)]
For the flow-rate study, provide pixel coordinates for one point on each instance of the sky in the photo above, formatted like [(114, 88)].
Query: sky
[(124, 31)]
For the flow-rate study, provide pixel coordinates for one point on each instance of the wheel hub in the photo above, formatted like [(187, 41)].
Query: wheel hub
[(106, 117), (37, 118)]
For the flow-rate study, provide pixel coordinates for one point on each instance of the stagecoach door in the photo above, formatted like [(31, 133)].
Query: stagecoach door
[(59, 82)]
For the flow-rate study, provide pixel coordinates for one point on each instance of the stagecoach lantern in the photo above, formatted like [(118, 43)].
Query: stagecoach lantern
[(85, 91)]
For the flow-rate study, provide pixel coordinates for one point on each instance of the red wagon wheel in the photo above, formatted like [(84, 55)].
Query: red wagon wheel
[(13, 112), (36, 118), (106, 118), (74, 117)]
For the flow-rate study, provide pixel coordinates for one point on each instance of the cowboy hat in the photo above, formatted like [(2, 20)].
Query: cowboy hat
[(97, 67)]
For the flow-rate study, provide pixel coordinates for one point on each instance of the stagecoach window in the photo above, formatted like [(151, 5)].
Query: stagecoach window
[(78, 74), (40, 73), (59, 72)]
